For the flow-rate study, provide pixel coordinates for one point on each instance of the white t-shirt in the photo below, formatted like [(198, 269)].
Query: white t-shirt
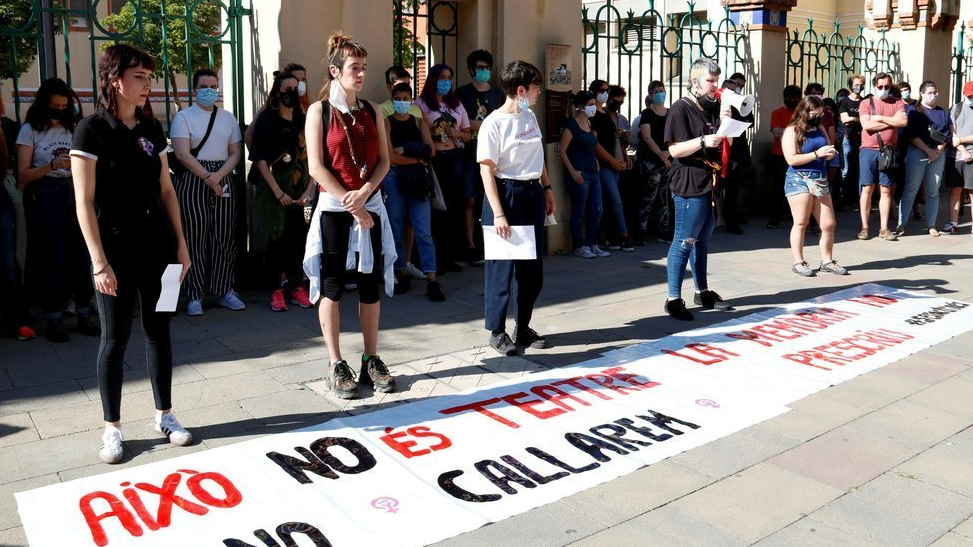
[(191, 123), (513, 142), (47, 145)]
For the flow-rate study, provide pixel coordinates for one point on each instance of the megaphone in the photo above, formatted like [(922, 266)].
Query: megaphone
[(743, 103)]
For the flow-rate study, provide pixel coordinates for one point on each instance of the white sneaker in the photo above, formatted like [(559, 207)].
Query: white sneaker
[(195, 308), (414, 273), (169, 426), (232, 300), (599, 252), (111, 446), (584, 252)]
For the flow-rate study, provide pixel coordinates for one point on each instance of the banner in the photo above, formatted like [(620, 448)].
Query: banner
[(425, 471)]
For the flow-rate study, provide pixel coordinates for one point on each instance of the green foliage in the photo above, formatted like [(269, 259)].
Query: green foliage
[(406, 46), (14, 15)]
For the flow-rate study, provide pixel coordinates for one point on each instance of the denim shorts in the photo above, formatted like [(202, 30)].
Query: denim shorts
[(795, 182)]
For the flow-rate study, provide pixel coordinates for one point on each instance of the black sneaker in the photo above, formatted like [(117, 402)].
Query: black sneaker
[(402, 283), (55, 332), (374, 373), (627, 246), (434, 291), (88, 327), (503, 344), (676, 308), (527, 336), (711, 301), (342, 380)]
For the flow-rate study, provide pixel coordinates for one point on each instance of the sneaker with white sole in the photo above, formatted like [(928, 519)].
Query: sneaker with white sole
[(584, 252), (599, 252), (194, 308), (169, 426), (232, 301), (111, 446), (414, 273), (949, 228)]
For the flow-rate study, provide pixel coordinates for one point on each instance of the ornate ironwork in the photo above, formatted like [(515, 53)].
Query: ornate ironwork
[(424, 32)]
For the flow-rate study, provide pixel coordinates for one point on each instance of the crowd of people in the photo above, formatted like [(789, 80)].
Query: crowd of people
[(353, 193)]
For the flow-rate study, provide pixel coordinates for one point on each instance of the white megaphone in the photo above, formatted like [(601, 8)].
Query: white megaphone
[(743, 103)]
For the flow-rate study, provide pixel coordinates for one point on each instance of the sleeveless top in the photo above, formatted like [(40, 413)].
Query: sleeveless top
[(812, 141), (403, 131), (337, 150)]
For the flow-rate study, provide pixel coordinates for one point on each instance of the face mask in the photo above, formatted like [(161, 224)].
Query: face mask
[(523, 103), (710, 105), (77, 108), (882, 94), (615, 106), (302, 88), (791, 104), (288, 98), (483, 75), (814, 121), (857, 88), (602, 97), (927, 100), (659, 98), (969, 102), (443, 86), (59, 115), (906, 94), (206, 96), (402, 107), (840, 98), (590, 110)]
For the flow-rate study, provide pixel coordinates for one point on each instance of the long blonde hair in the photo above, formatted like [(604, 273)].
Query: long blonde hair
[(340, 47)]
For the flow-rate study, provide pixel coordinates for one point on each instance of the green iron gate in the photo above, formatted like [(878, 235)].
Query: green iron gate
[(421, 26), (635, 49), (829, 59), (962, 64), (195, 33)]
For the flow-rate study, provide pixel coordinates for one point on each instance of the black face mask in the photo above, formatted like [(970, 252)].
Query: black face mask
[(791, 104), (60, 115), (289, 98), (710, 106), (814, 121), (614, 106)]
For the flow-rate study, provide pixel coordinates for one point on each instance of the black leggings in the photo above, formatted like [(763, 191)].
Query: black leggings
[(335, 229), (139, 279), (286, 253)]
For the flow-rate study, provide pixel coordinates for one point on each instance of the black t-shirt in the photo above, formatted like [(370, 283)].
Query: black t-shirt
[(603, 125), (273, 136), (657, 129), (128, 167), (740, 148), (403, 131), (850, 106), (479, 104), (689, 176)]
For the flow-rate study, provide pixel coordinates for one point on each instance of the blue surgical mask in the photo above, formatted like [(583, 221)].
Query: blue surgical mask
[(443, 86), (857, 88), (590, 110), (483, 75), (523, 103), (659, 98), (402, 107), (969, 102), (882, 94), (906, 94), (206, 96)]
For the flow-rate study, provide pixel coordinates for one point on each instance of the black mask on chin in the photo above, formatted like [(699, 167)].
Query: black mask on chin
[(710, 105)]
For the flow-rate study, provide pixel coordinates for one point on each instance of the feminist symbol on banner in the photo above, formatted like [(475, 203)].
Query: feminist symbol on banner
[(389, 504), (707, 402)]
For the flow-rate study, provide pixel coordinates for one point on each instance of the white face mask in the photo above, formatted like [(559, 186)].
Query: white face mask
[(590, 110), (882, 94), (928, 99), (301, 88), (602, 97)]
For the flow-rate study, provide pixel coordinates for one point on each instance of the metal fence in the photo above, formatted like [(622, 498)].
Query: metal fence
[(961, 67), (424, 33), (829, 59), (636, 48)]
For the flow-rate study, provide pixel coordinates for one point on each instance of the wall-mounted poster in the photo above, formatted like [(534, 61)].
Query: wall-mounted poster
[(558, 67)]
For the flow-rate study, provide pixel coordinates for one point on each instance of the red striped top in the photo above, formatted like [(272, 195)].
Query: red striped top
[(338, 157)]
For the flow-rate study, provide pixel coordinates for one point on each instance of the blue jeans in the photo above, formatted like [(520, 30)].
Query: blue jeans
[(612, 198), (927, 174), (396, 205), (690, 243), (586, 207), (868, 166)]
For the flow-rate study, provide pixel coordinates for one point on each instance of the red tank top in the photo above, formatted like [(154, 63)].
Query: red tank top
[(338, 156)]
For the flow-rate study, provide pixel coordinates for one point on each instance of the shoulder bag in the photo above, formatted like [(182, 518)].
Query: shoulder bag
[(889, 159), (177, 166)]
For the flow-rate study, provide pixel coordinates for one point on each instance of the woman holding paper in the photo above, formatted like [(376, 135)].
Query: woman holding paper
[(129, 216), (510, 152), (807, 150)]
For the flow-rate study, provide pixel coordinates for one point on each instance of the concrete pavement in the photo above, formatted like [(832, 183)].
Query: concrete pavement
[(881, 460)]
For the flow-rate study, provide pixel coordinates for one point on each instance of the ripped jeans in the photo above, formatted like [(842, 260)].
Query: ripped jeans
[(690, 242)]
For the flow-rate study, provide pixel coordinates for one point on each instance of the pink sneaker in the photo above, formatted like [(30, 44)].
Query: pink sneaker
[(277, 301), (301, 298)]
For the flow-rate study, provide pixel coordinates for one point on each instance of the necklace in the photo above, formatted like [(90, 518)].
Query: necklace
[(362, 167)]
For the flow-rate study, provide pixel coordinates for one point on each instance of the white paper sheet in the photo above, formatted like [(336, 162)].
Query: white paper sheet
[(170, 288), (520, 246), (732, 128)]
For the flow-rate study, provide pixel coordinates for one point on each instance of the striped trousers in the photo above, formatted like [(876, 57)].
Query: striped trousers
[(209, 224)]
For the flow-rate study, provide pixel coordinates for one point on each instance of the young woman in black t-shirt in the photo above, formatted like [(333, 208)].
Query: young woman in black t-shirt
[(129, 216), (654, 162), (692, 141)]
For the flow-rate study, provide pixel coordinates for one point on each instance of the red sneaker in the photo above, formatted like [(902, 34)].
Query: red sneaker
[(26, 333), (301, 298), (277, 302)]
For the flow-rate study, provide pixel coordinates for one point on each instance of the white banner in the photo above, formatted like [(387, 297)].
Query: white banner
[(425, 471)]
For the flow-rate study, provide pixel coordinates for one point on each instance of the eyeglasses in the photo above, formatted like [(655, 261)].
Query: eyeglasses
[(883, 87), (934, 94), (482, 67), (216, 87)]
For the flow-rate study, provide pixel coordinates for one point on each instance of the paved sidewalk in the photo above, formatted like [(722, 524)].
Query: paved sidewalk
[(882, 460)]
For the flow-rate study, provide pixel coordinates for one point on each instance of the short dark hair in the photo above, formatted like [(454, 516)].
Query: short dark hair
[(400, 87), (581, 98), (205, 72), (478, 55), (738, 76), (519, 73), (617, 91), (728, 81), (882, 76), (905, 85), (655, 84), (595, 85), (791, 91), (395, 72), (810, 88), (113, 63)]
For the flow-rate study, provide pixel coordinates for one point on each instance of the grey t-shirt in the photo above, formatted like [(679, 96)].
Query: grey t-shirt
[(47, 144), (962, 125)]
